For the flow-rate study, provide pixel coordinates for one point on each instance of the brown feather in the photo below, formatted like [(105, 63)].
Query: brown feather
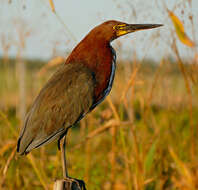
[(67, 95)]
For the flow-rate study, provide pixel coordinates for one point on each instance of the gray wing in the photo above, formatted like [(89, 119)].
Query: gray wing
[(66, 96)]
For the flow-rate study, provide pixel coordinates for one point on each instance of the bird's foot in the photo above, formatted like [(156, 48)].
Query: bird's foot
[(75, 183)]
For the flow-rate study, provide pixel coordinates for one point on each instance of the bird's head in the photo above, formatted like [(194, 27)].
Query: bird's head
[(112, 29)]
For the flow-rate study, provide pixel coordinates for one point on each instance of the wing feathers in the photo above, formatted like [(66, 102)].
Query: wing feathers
[(63, 100)]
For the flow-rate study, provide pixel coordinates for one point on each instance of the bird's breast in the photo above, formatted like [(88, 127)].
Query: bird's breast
[(101, 60), (104, 83)]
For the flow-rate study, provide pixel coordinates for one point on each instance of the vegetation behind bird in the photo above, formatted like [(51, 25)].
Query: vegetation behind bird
[(141, 138), (140, 152)]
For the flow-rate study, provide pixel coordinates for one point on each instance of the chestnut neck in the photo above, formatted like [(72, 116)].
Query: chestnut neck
[(95, 53)]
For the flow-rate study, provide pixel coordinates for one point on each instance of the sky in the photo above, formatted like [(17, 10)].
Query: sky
[(33, 30)]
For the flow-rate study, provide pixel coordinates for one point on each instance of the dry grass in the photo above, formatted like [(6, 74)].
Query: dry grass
[(139, 138), (143, 136)]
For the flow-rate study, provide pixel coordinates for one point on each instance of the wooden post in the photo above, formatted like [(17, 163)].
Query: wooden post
[(69, 184)]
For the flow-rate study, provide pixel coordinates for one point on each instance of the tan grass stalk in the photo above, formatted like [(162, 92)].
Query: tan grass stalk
[(122, 138), (188, 88), (37, 171), (7, 166)]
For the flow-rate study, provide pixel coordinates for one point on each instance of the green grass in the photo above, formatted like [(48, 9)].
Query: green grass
[(154, 148)]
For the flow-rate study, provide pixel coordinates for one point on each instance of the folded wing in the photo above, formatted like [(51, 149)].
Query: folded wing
[(63, 100)]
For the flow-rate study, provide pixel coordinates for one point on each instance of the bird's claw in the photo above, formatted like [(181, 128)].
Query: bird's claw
[(75, 182)]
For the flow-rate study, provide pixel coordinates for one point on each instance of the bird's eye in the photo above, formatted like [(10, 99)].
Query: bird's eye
[(119, 26), (116, 27)]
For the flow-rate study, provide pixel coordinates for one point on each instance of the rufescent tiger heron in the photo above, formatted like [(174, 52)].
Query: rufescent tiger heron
[(75, 89)]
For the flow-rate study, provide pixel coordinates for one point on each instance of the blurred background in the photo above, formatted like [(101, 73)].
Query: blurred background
[(144, 135)]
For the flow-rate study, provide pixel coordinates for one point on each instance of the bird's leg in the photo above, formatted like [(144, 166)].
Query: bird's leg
[(63, 155), (78, 184), (64, 159)]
